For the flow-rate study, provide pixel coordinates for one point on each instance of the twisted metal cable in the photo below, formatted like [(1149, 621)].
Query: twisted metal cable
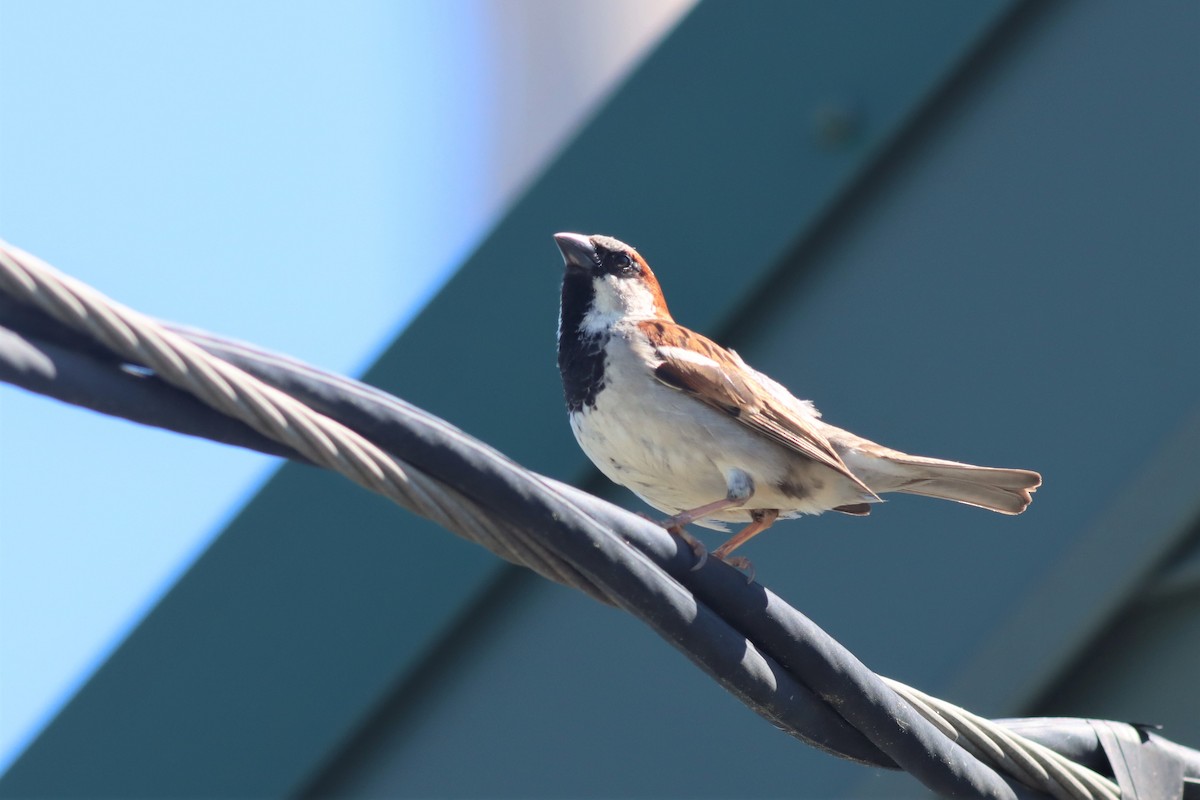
[(179, 357), (1031, 763), (321, 440)]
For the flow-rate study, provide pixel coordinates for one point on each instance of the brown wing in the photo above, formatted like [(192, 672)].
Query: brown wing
[(710, 373)]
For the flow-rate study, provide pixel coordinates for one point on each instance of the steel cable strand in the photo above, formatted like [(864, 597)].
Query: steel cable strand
[(41, 355), (1041, 767), (281, 372), (322, 441)]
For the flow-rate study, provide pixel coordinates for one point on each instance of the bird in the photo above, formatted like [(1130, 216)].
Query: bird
[(698, 434)]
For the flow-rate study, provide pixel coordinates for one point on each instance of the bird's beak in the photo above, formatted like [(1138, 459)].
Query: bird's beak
[(577, 251)]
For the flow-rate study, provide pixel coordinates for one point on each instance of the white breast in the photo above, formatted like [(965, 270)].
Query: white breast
[(675, 452)]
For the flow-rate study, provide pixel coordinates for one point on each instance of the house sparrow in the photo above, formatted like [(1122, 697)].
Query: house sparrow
[(697, 433)]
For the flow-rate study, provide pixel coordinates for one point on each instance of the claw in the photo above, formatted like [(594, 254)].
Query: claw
[(697, 546)]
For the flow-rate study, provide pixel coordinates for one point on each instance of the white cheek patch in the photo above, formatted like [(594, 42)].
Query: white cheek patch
[(597, 322), (617, 299)]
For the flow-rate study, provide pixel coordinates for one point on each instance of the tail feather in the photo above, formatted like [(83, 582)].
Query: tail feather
[(983, 495), (1007, 491)]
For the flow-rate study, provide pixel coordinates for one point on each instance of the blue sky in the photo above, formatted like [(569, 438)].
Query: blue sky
[(297, 174)]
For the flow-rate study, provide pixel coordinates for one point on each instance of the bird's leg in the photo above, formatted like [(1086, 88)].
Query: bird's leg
[(740, 489), (675, 525), (761, 519)]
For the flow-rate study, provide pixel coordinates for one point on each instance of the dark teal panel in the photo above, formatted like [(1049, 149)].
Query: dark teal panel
[(1143, 668), (318, 599)]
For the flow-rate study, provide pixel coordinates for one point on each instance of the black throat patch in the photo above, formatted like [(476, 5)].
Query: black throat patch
[(580, 355)]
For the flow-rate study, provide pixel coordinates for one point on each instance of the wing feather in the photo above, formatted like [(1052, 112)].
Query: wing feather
[(717, 377)]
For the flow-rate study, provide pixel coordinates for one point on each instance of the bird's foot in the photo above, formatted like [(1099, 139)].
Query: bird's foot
[(675, 526), (739, 563), (697, 546), (743, 564)]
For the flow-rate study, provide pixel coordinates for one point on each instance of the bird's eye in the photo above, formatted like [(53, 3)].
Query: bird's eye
[(623, 265)]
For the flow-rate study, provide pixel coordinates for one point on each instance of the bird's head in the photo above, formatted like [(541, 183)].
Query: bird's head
[(608, 281)]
